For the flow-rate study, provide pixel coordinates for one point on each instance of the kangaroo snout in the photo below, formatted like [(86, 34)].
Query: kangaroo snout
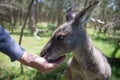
[(49, 58), (45, 54)]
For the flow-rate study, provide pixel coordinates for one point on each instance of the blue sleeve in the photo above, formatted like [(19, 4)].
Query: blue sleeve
[(9, 47)]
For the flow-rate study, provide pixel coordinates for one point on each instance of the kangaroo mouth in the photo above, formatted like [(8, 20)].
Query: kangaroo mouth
[(59, 59), (56, 60)]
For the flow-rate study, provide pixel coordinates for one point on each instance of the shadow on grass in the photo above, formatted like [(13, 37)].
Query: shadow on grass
[(115, 70), (26, 33), (50, 29), (46, 31), (102, 37)]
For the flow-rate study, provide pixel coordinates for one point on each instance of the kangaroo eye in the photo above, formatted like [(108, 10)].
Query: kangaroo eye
[(60, 37)]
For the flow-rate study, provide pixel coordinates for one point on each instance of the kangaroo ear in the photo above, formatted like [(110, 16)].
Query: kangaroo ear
[(84, 15), (70, 14)]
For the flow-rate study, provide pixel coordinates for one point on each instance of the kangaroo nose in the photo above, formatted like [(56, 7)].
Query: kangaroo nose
[(43, 53)]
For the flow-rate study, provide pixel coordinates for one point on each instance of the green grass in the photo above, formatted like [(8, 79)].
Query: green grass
[(11, 70)]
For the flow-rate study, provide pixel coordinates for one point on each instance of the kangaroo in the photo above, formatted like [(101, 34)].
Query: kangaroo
[(87, 62)]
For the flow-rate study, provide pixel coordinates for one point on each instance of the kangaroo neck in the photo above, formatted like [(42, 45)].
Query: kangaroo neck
[(85, 53)]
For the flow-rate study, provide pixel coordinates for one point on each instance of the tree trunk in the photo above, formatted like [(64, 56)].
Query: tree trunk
[(36, 11), (32, 23), (60, 18), (22, 30)]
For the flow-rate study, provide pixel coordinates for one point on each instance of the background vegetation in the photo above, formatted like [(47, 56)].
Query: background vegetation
[(44, 17)]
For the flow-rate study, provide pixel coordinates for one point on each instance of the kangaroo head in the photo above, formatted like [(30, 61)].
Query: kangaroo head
[(67, 37)]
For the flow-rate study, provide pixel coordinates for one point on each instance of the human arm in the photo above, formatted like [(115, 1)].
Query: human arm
[(9, 47)]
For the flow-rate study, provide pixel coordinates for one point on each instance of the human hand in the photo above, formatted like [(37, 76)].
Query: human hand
[(47, 67), (8, 46), (39, 63)]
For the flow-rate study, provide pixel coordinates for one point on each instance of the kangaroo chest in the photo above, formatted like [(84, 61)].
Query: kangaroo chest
[(81, 72)]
